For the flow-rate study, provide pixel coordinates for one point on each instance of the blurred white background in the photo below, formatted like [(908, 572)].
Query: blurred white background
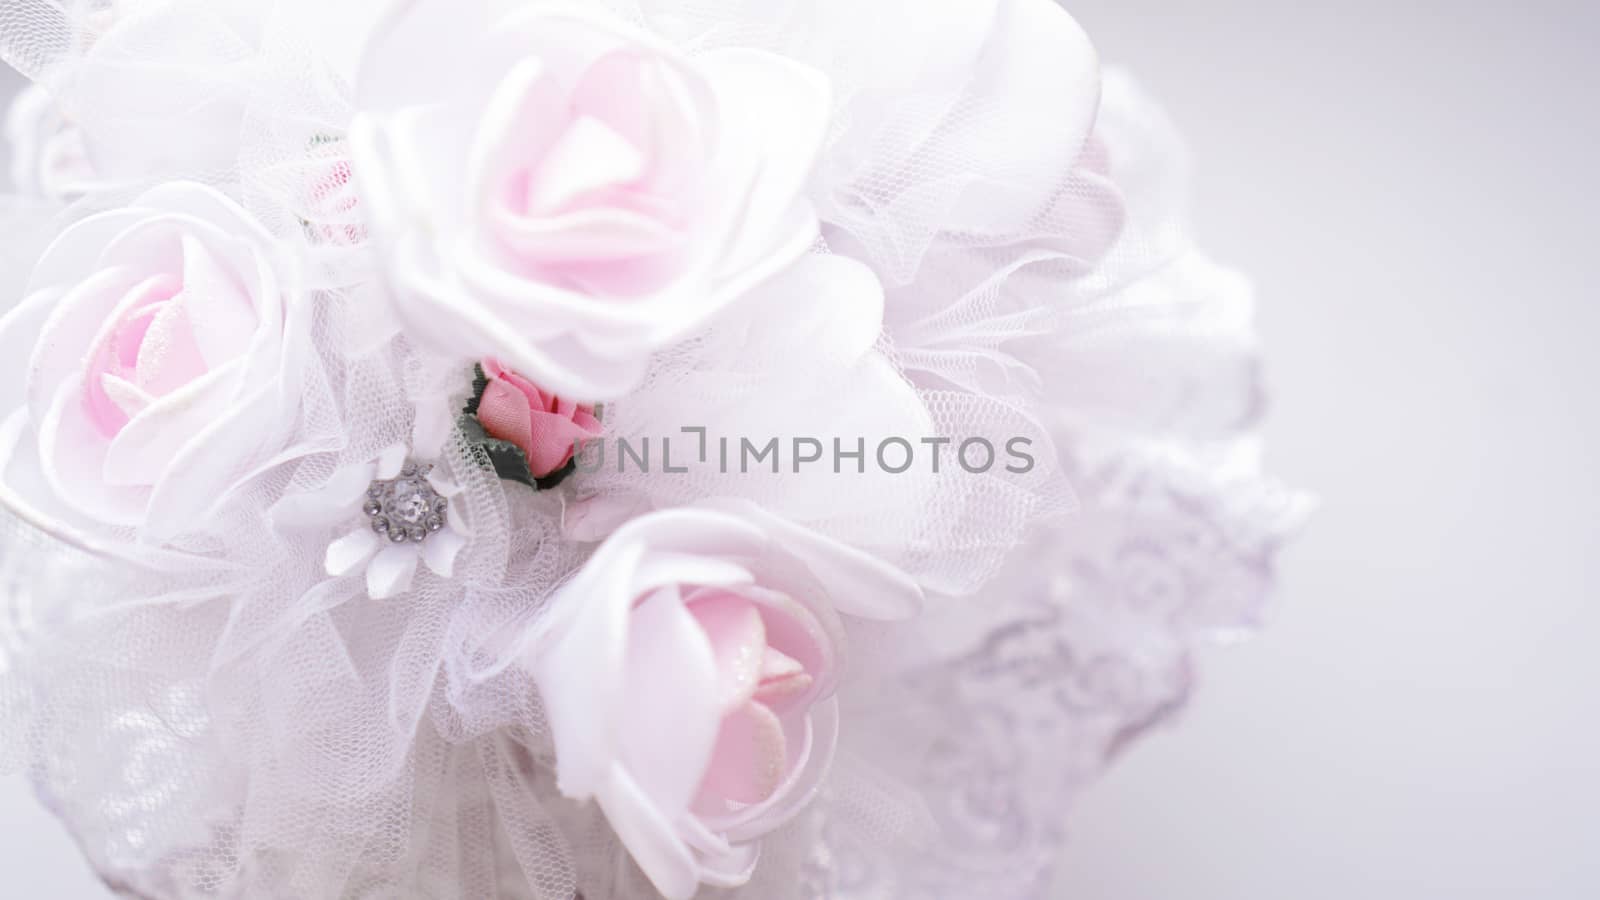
[(1413, 188)]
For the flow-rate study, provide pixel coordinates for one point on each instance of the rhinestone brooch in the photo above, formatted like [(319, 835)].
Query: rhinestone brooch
[(406, 508)]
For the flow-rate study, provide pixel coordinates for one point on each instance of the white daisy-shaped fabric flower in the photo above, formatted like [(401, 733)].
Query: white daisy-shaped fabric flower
[(402, 511)]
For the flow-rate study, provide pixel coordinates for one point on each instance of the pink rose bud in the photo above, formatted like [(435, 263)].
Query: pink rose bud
[(545, 427)]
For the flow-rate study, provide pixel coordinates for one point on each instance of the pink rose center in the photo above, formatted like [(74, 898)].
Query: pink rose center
[(164, 334), (765, 660), (598, 176), (148, 352)]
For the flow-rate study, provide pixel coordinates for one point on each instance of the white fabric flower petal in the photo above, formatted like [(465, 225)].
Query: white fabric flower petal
[(218, 311), (859, 584), (670, 708), (1038, 58), (782, 110), (76, 320), (19, 329), (832, 306), (650, 837), (442, 484), (440, 549), (147, 445), (391, 461), (390, 572), (75, 251), (329, 503), (72, 457), (348, 554)]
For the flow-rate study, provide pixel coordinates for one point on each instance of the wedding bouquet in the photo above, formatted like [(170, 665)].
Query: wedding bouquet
[(523, 449)]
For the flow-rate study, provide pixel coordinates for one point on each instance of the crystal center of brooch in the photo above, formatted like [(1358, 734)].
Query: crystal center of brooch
[(406, 508)]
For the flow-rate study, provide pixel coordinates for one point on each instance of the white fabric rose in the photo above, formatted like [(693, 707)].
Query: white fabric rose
[(689, 682), (965, 132), (154, 361), (568, 194), (826, 310)]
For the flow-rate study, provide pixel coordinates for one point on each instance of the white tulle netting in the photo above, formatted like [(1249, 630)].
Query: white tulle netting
[(213, 717)]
